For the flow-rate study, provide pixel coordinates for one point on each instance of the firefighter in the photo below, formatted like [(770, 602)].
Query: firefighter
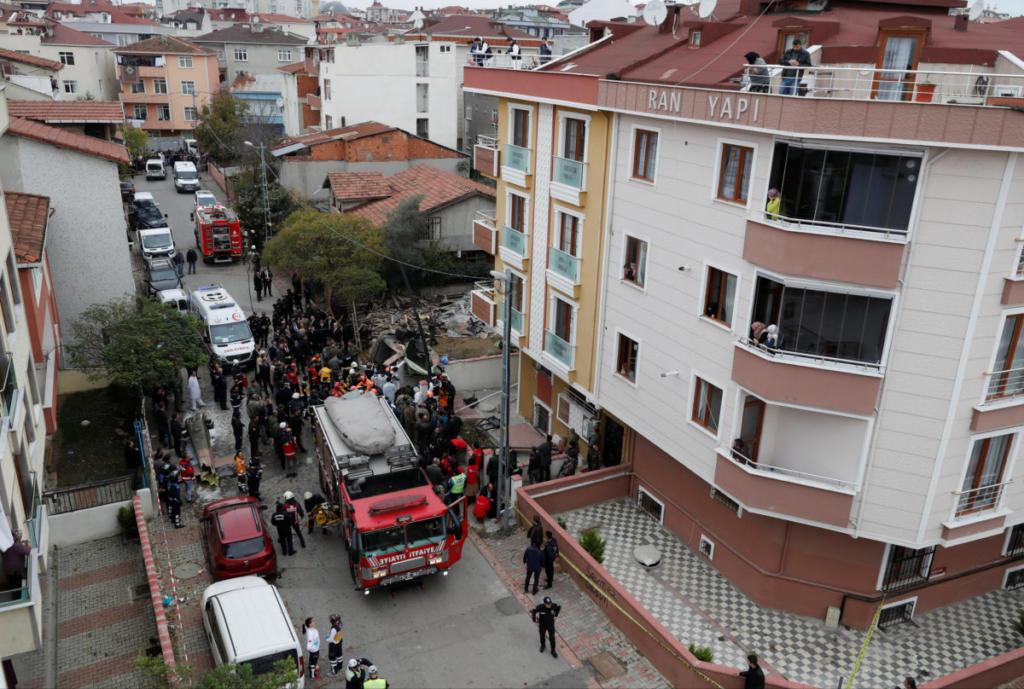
[(311, 502), (241, 474), (288, 449), (295, 511)]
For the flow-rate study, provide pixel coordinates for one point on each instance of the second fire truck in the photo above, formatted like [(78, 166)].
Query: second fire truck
[(218, 234)]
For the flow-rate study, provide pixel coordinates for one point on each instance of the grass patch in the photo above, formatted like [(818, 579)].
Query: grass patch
[(95, 451)]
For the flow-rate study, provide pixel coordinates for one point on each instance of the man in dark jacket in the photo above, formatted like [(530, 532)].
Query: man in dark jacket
[(355, 673), (282, 521), (177, 431), (544, 459), (220, 387), (794, 57), (238, 429), (534, 560), (550, 555), (544, 615), (536, 532), (753, 673), (255, 475)]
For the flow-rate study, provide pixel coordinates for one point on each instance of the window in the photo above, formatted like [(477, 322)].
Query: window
[(1007, 380), (707, 547), (833, 325), (725, 500), (445, 49), (327, 89), (241, 54), (645, 154), (433, 228), (1018, 268), (983, 482), (516, 293), (574, 140), (520, 133), (1014, 579), (720, 296), (906, 567), (634, 268), (33, 398), (788, 36), (517, 212), (898, 52), (185, 62), (138, 86), (139, 110), (707, 405), (734, 173), (422, 97), (188, 88), (650, 504), (469, 112), (284, 55), (160, 86), (423, 127), (6, 306), (896, 613), (694, 38), (190, 114), (858, 189), (561, 319), (625, 360), (70, 86), (1015, 541), (567, 233), (67, 57), (541, 417), (163, 112), (12, 270), (422, 61)]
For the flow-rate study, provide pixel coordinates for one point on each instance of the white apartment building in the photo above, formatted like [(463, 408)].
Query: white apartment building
[(88, 65), (412, 86)]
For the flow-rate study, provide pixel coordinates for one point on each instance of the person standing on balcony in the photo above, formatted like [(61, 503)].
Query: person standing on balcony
[(14, 559), (545, 52), (757, 72), (794, 57), (774, 206), (515, 53)]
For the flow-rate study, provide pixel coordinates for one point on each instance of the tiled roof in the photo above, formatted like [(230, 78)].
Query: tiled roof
[(244, 33), (27, 214), (117, 14), (294, 68), (348, 186), (51, 111), (62, 34), (355, 131), (438, 187), (472, 26), (272, 18), (163, 45), (229, 14), (15, 56), (65, 139)]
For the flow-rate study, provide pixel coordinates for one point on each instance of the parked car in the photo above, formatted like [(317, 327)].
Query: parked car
[(155, 169), (144, 214), (177, 299), (236, 539), (127, 190), (161, 275)]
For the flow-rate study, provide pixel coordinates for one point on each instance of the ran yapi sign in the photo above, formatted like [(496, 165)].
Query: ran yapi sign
[(720, 106)]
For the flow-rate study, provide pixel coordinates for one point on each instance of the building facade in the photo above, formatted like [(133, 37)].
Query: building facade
[(795, 317), (251, 49), (88, 65)]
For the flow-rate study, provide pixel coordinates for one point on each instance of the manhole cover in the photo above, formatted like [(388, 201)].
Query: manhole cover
[(647, 555), (187, 570)]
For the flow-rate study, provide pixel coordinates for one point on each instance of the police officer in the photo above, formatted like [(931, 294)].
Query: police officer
[(544, 615), (295, 511), (456, 485), (174, 499), (255, 475), (355, 673), (373, 681), (282, 521)]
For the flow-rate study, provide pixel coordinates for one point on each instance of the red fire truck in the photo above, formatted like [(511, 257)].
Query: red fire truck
[(218, 234), (395, 526)]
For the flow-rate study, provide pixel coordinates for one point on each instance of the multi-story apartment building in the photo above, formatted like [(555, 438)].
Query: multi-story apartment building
[(165, 81), (251, 49), (796, 313), (112, 23)]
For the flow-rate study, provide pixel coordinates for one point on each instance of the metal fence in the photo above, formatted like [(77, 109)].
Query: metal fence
[(89, 495)]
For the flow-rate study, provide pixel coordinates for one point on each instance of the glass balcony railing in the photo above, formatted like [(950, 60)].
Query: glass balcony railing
[(566, 265), (568, 172), (517, 321), (513, 240), (517, 157), (561, 350)]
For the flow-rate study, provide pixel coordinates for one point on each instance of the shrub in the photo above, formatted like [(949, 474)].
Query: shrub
[(702, 653), (126, 518), (593, 544)]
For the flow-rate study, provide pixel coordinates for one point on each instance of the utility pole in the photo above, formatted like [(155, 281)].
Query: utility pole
[(266, 197), (504, 480)]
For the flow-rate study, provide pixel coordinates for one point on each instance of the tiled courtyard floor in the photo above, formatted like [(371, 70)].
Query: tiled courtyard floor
[(698, 605)]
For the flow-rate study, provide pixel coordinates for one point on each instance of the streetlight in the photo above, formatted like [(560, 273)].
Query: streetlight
[(503, 458), (266, 198)]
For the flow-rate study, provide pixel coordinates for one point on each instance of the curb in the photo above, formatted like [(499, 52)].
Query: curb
[(154, 587)]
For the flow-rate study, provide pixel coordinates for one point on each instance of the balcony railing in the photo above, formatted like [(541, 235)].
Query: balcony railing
[(979, 499), (558, 348), (517, 158), (513, 240), (484, 218), (1004, 384), (571, 173), (826, 227), (769, 469), (920, 86), (89, 495), (565, 265), (489, 141), (504, 61), (517, 320), (809, 357)]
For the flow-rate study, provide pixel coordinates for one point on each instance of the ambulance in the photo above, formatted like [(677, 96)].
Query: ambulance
[(226, 333)]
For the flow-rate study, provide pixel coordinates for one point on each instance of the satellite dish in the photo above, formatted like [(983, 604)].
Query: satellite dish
[(655, 12), (975, 10), (706, 8)]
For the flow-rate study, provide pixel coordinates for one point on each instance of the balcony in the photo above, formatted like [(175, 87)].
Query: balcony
[(485, 236), (515, 164), (568, 179), (563, 270), (1004, 401), (517, 321), (128, 97), (486, 156), (20, 606), (515, 241), (482, 304), (559, 350)]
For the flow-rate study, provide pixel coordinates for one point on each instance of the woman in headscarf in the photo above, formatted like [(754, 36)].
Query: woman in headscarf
[(757, 72)]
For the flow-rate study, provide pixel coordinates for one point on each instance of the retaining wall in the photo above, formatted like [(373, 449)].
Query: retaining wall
[(481, 373), (82, 526)]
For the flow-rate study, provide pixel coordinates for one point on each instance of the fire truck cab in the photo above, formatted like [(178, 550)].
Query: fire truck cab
[(395, 526), (218, 234)]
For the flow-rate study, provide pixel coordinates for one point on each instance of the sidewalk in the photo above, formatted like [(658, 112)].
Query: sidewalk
[(587, 639)]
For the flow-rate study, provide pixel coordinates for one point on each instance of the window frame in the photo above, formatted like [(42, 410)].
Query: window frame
[(704, 294), (510, 131), (559, 148), (635, 131), (650, 495), (185, 62), (135, 111), (695, 380), (720, 148), (1009, 539), (1005, 316), (556, 228), (625, 256), (523, 296), (287, 52), (195, 113), (240, 54), (526, 211), (552, 313), (138, 86), (73, 83), (1008, 461), (621, 335), (156, 86), (169, 113), (65, 56), (326, 90), (192, 88)]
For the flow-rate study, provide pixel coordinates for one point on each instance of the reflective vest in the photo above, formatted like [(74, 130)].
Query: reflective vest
[(375, 683), (458, 484)]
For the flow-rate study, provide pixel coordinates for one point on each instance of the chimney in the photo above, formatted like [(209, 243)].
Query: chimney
[(960, 22)]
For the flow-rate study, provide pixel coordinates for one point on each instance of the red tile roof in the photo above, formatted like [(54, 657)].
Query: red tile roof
[(294, 68), (349, 186), (62, 34), (165, 45), (66, 139), (27, 214), (15, 56), (67, 111), (355, 131), (272, 18), (472, 26), (229, 14), (117, 14), (439, 188)]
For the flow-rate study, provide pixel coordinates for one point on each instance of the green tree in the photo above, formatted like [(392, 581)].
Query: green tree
[(405, 232), (344, 253), (249, 204), (283, 673), (219, 128), (136, 141), (134, 341)]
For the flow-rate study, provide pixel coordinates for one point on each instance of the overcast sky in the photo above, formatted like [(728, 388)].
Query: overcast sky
[(1013, 7)]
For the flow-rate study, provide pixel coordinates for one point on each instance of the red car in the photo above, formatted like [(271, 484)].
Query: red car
[(236, 539)]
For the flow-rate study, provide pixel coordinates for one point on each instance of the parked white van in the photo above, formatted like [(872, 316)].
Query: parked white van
[(186, 177), (246, 622), (177, 299), (156, 243), (226, 331), (155, 169)]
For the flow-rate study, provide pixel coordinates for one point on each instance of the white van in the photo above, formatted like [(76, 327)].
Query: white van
[(186, 178), (192, 146), (246, 622), (156, 243), (177, 299), (226, 328), (155, 169)]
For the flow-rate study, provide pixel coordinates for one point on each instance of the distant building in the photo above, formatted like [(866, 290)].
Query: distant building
[(532, 21), (98, 119), (264, 96), (107, 21), (301, 96), (251, 49), (28, 76)]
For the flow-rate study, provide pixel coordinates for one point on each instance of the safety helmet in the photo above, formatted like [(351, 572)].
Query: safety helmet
[(288, 495), (352, 662), (307, 495), (372, 669)]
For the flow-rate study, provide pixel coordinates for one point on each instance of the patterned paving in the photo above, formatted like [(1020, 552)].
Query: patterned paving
[(698, 605)]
